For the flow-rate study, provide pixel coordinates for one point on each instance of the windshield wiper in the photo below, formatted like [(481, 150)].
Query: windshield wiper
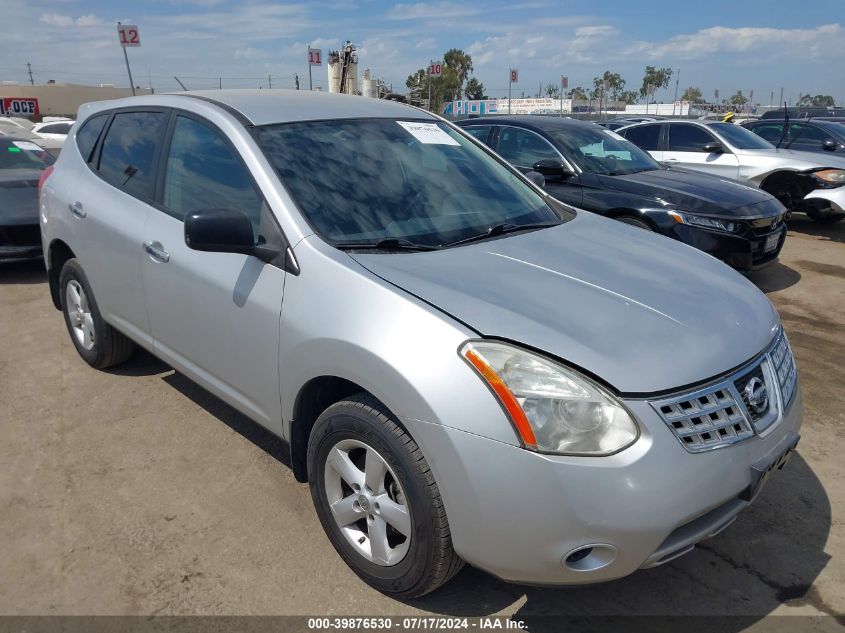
[(501, 229), (386, 244)]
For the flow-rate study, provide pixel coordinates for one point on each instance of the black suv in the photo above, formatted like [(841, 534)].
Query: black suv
[(593, 168)]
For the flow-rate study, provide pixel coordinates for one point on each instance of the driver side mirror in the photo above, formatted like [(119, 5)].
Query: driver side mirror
[(829, 145), (552, 169), (224, 231), (715, 147)]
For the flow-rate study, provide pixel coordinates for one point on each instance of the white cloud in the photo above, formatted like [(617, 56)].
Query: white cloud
[(425, 43), (430, 10), (88, 20), (54, 19), (825, 39), (64, 21)]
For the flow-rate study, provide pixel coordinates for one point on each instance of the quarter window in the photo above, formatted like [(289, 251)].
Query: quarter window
[(204, 172), (646, 137), (523, 148), (88, 134), (803, 134), (129, 151), (772, 132), (684, 137)]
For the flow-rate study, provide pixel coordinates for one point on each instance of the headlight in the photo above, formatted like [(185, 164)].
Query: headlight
[(835, 177), (553, 409), (704, 222)]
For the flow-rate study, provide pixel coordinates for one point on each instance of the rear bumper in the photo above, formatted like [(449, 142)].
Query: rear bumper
[(20, 241)]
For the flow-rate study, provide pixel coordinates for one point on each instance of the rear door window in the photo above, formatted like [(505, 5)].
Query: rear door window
[(481, 132), (88, 134), (684, 137), (646, 137), (128, 157), (524, 148), (772, 132)]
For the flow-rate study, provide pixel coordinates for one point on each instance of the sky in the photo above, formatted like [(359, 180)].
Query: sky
[(759, 45)]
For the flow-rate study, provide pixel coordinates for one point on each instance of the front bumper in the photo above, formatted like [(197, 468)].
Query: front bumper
[(744, 251), (519, 514), (835, 197), (19, 242)]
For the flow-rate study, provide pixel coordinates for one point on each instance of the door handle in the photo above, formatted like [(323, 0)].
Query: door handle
[(77, 209), (157, 252)]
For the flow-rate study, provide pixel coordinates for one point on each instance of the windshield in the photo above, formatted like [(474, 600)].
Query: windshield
[(23, 155), (367, 180), (600, 151), (741, 138)]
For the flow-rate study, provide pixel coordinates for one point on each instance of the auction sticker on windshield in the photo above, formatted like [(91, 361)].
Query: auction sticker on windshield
[(428, 133)]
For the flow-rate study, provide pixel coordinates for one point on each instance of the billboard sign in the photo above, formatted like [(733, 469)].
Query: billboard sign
[(18, 106)]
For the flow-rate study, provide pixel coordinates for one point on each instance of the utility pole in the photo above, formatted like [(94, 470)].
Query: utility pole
[(430, 64), (29, 70), (296, 80), (781, 97), (220, 83), (310, 80), (269, 81), (677, 81), (128, 71)]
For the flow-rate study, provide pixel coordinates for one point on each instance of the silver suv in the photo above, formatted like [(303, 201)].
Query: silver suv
[(464, 369)]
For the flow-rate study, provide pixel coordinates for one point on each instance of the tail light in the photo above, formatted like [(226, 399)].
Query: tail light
[(44, 176)]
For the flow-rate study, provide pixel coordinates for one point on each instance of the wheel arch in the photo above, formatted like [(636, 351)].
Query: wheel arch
[(619, 212), (56, 256), (789, 186), (314, 397)]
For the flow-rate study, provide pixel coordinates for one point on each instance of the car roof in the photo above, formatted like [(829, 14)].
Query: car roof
[(541, 123), (264, 107)]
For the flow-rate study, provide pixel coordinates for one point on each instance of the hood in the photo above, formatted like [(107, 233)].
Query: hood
[(640, 311), (799, 160), (687, 190), (19, 196)]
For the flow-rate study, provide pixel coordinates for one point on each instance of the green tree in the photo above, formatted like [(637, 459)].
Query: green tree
[(738, 99), (461, 65), (629, 96), (578, 93), (818, 101), (457, 66), (552, 91), (474, 89), (657, 78), (693, 95), (615, 85)]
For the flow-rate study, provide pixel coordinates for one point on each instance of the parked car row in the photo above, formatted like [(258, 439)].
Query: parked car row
[(436, 339), (595, 169), (802, 181)]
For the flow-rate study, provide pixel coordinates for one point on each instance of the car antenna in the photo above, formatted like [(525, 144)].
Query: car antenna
[(785, 125)]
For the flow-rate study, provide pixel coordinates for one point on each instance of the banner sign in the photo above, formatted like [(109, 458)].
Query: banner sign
[(18, 106)]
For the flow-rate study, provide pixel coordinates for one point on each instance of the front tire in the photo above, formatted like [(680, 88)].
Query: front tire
[(377, 499), (825, 218), (98, 343)]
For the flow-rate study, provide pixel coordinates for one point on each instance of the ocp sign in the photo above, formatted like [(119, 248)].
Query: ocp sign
[(18, 106)]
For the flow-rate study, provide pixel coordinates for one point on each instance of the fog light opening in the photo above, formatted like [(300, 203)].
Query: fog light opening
[(589, 557)]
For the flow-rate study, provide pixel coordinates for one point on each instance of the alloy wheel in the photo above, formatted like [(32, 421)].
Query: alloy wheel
[(368, 502), (79, 314)]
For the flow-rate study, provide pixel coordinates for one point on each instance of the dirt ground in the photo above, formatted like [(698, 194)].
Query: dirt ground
[(134, 491)]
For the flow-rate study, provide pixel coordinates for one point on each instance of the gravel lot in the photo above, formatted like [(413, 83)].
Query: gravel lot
[(134, 491)]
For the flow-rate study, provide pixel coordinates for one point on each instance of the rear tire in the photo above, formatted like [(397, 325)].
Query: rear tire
[(98, 343), (346, 437), (629, 219)]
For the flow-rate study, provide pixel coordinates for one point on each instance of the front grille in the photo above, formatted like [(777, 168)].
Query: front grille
[(784, 364), (735, 408)]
